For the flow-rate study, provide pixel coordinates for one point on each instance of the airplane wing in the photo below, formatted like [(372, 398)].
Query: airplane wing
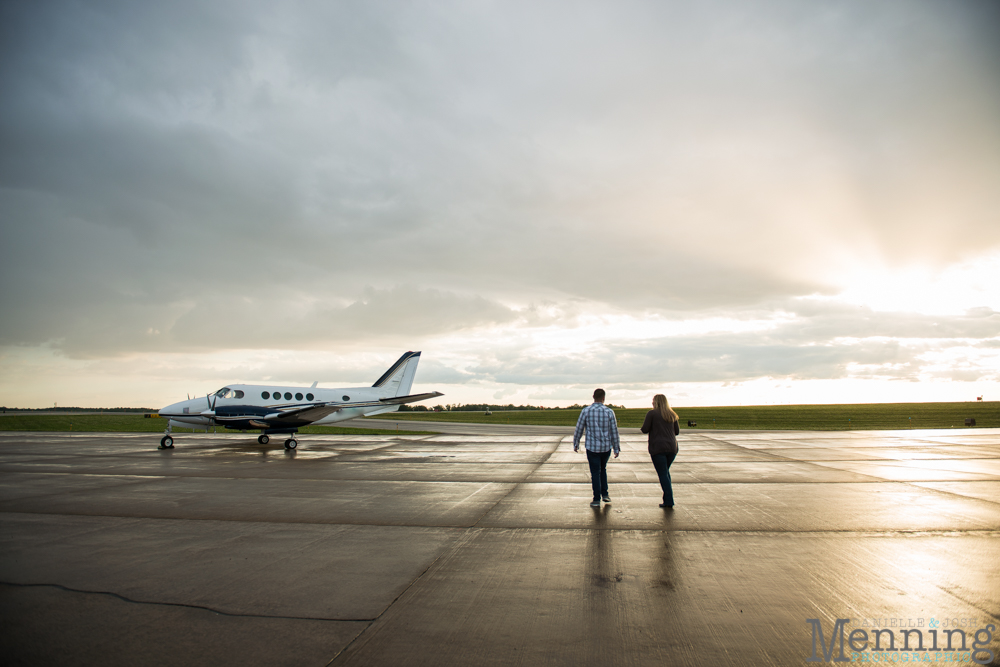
[(310, 413), (313, 413), (412, 398)]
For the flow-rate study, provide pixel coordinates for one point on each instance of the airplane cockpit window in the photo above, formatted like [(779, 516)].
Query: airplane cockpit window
[(226, 392)]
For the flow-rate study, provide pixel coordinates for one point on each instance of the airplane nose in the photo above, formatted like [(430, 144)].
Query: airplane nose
[(173, 408)]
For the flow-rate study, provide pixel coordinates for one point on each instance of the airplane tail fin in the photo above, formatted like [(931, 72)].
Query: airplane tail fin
[(399, 378)]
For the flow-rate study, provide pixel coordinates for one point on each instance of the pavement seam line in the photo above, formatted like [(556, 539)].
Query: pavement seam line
[(432, 563), (395, 599), (944, 532), (948, 492), (515, 485), (183, 605), (968, 602)]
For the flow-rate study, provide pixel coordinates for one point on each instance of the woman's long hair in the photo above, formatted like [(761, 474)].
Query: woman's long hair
[(660, 405)]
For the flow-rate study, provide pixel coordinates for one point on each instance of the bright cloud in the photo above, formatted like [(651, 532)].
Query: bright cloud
[(948, 290)]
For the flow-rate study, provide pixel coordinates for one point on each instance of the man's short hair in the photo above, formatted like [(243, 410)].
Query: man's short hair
[(598, 394)]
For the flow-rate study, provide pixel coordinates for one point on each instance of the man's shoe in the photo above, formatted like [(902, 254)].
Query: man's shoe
[(606, 498), (666, 506), (595, 503)]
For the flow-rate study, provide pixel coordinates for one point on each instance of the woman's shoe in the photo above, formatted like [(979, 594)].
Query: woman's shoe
[(666, 506)]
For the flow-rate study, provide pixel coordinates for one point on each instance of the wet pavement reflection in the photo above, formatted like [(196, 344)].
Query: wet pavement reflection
[(469, 549)]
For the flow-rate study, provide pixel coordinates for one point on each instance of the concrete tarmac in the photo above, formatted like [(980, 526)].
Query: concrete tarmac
[(481, 548), (457, 428)]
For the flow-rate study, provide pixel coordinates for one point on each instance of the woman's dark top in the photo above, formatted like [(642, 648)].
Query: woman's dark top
[(662, 434)]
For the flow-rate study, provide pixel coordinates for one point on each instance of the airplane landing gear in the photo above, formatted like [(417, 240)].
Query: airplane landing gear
[(291, 444), (167, 441), (263, 439)]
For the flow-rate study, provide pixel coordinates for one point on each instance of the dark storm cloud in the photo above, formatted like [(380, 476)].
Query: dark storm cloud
[(210, 175), (399, 316), (421, 312)]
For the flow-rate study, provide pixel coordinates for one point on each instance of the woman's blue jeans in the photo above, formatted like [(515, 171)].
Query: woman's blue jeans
[(662, 464)]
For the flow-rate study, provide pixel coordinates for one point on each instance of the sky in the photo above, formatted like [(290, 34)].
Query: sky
[(728, 202)]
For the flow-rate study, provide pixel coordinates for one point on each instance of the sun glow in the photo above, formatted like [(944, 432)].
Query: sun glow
[(952, 291)]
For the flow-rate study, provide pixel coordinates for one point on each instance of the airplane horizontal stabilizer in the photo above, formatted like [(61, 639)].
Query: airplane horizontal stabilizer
[(412, 398)]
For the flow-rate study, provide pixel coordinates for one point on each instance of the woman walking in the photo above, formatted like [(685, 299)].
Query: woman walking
[(663, 426)]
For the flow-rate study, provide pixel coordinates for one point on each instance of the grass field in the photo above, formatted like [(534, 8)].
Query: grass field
[(126, 423), (865, 416)]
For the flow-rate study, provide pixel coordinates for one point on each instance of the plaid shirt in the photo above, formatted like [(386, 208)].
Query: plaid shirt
[(601, 426)]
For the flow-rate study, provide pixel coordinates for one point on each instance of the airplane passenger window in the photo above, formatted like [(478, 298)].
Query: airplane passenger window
[(288, 395), (298, 397), (239, 393), (347, 398), (309, 397), (265, 395)]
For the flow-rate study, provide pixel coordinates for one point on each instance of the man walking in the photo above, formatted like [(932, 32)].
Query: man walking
[(601, 427)]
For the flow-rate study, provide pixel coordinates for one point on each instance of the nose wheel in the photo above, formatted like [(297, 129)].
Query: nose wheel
[(263, 439), (166, 442), (291, 444)]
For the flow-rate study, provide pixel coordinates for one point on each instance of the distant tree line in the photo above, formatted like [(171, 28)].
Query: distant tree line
[(484, 407), (72, 409)]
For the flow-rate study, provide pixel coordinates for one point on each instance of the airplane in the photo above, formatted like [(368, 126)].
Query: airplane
[(272, 409)]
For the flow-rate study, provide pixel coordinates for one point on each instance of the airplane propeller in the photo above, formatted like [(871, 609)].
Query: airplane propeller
[(211, 406)]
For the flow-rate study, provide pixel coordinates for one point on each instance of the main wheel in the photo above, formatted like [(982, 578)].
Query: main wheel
[(263, 439), (166, 442), (291, 444)]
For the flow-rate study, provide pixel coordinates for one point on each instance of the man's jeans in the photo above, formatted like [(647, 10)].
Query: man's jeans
[(598, 462)]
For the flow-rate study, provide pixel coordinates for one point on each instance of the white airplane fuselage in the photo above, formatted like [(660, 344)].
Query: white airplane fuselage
[(240, 401)]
